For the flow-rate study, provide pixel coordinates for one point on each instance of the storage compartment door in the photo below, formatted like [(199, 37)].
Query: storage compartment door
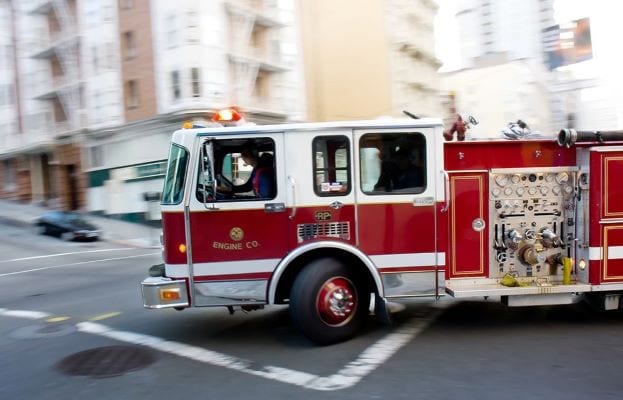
[(606, 215), (467, 218)]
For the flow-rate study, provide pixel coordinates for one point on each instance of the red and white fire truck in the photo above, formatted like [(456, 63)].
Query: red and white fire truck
[(385, 210)]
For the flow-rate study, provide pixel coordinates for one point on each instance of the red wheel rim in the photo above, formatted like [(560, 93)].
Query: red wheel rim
[(337, 301)]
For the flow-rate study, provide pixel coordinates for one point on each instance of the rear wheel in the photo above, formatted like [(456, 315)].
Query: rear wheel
[(328, 302)]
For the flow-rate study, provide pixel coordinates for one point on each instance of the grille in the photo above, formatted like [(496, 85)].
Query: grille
[(339, 230)]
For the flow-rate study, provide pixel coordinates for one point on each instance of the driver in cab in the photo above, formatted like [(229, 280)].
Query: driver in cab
[(262, 179)]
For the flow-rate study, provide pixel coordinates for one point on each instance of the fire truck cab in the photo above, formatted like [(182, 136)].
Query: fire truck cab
[(327, 216)]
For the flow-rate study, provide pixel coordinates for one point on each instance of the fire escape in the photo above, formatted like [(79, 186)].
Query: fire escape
[(62, 52), (254, 54)]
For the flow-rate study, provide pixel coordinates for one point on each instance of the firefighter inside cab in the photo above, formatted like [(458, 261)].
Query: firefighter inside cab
[(261, 182)]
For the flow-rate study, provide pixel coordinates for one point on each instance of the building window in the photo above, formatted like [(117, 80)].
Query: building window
[(110, 57), (175, 85), (94, 52), (132, 93), (107, 12), (261, 87), (331, 165), (192, 27), (9, 175), (97, 100), (129, 44), (195, 82), (171, 30), (96, 156)]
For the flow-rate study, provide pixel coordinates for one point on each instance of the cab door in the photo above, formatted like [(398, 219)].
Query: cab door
[(320, 196), (396, 208), (236, 235)]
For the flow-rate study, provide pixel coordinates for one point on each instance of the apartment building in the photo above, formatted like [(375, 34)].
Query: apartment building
[(501, 73), (110, 80), (369, 61), (501, 93), (502, 30)]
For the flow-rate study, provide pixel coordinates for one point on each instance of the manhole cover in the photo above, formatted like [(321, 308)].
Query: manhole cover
[(105, 362)]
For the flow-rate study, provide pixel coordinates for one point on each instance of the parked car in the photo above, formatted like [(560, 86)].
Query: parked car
[(66, 225)]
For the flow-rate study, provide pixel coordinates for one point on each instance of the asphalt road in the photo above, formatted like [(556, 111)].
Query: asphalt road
[(72, 326)]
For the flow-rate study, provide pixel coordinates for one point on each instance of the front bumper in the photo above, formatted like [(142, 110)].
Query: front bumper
[(161, 292)]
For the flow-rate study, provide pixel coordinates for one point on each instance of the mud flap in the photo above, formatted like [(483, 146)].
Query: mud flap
[(381, 310)]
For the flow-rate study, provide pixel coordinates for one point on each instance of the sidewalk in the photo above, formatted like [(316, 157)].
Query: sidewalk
[(113, 230)]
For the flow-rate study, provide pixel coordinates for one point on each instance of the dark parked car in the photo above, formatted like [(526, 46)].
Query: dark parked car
[(66, 225)]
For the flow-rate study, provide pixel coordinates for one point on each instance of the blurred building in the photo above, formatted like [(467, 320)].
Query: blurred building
[(369, 61), (94, 89), (29, 168), (502, 75), (501, 93), (502, 30), (586, 89)]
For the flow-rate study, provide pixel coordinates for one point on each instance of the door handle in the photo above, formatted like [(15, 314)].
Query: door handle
[(447, 187), (274, 207), (293, 183)]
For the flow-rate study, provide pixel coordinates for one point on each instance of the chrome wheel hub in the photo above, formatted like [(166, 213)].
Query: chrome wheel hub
[(337, 301)]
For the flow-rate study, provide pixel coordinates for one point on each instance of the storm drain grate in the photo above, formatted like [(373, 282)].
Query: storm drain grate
[(106, 362)]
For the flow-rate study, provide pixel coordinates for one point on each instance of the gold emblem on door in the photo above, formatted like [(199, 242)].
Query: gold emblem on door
[(236, 234)]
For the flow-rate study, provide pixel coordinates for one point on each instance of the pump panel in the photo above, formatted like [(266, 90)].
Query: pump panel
[(532, 222)]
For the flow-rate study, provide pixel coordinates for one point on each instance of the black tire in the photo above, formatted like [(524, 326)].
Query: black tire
[(328, 302)]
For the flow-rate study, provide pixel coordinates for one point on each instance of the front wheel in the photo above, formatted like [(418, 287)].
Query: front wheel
[(328, 302)]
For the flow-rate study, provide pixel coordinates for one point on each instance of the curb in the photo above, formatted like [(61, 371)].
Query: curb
[(20, 223), (15, 222), (131, 243)]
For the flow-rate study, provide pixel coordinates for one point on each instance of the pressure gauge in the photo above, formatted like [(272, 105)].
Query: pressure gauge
[(532, 191), (549, 177), (562, 177), (501, 180), (508, 191), (568, 189), (556, 190), (520, 191), (515, 178), (544, 190), (495, 192)]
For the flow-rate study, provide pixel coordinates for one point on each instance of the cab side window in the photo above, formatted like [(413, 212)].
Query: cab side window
[(331, 165), (244, 170), (393, 163)]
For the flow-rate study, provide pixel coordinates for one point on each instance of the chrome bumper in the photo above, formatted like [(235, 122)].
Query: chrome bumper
[(161, 292)]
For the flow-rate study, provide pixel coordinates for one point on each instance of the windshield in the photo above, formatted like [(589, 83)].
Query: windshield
[(174, 180)]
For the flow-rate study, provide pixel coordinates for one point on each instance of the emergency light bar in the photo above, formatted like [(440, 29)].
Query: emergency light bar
[(228, 115)]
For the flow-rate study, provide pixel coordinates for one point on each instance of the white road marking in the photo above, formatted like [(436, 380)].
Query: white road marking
[(76, 264), (24, 314), (64, 254), (346, 377)]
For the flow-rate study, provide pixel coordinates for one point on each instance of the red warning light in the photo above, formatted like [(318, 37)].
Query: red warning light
[(227, 115)]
